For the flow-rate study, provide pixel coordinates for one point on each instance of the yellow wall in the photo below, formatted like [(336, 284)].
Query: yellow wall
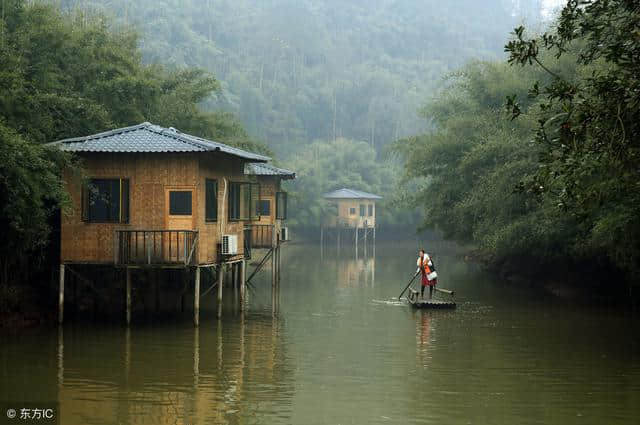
[(345, 216)]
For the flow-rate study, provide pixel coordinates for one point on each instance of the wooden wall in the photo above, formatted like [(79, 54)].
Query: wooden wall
[(224, 171), (149, 175)]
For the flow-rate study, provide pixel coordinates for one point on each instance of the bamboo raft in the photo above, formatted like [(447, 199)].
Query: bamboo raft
[(416, 302)]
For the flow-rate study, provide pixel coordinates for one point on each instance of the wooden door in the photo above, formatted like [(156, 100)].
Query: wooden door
[(180, 213)]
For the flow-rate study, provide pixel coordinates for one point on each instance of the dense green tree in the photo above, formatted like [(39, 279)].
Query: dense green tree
[(325, 166), (588, 130), (65, 75), (295, 71)]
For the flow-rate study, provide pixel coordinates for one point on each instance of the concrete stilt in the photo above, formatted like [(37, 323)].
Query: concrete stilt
[(128, 295), (61, 296), (196, 299)]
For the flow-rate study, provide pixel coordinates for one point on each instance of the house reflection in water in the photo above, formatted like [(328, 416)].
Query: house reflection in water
[(219, 373), (356, 272)]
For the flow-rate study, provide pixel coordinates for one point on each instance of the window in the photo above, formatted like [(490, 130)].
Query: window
[(211, 200), (370, 210), (265, 207), (244, 201), (180, 202), (352, 211), (363, 210), (281, 205), (106, 201)]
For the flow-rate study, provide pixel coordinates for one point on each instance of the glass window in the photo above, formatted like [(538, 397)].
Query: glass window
[(265, 207), (180, 202), (370, 210), (244, 201), (281, 205), (106, 201), (352, 211), (211, 200), (363, 210)]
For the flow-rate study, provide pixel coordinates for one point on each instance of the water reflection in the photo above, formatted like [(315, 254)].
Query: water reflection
[(229, 371), (335, 346)]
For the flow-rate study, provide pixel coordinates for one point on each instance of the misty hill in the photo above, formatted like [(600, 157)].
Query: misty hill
[(299, 70)]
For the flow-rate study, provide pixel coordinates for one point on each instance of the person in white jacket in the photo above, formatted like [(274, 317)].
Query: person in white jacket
[(427, 273)]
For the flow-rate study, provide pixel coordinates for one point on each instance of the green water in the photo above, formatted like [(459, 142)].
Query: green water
[(340, 350)]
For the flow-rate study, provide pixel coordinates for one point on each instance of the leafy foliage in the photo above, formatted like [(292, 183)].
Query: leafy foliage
[(589, 125), (325, 166), (68, 75), (296, 71)]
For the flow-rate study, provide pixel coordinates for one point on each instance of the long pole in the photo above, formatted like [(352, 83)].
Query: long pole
[(409, 284)]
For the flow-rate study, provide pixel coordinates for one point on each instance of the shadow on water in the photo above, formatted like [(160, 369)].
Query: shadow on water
[(340, 348)]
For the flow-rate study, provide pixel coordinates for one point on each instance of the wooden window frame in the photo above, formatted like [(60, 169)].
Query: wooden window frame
[(268, 203), (370, 210), (281, 210), (207, 217), (124, 201), (252, 211), (363, 210)]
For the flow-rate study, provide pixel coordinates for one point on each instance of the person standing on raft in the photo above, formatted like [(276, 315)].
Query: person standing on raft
[(427, 271)]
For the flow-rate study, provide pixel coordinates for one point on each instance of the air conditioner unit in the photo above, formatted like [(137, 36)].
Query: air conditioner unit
[(229, 244), (284, 234)]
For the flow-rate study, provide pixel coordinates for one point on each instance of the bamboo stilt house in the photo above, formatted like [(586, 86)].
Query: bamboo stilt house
[(155, 196), (355, 209)]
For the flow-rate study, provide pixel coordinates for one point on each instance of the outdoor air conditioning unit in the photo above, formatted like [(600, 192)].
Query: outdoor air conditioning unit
[(229, 244), (284, 234)]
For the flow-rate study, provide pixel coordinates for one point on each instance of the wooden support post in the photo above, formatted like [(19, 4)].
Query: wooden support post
[(220, 281), (234, 280), (357, 224), (321, 240), (243, 268), (374, 241), (338, 238), (279, 262), (365, 241), (61, 296), (128, 290), (196, 299)]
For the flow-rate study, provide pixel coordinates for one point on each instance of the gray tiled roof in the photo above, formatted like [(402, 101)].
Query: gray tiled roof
[(260, 169), (147, 137), (345, 193)]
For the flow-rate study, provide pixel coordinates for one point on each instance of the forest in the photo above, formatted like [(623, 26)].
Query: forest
[(521, 143)]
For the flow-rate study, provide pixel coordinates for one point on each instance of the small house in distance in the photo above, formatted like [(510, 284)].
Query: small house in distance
[(355, 210), (156, 197)]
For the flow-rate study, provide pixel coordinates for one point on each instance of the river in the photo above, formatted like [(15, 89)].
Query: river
[(341, 350)]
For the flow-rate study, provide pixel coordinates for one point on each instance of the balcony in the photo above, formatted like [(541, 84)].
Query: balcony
[(261, 235), (155, 248)]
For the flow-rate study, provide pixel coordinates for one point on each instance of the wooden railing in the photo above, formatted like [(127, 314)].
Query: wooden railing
[(155, 247), (261, 235)]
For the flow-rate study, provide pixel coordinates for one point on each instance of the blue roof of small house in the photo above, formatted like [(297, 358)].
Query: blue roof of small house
[(345, 193), (261, 169), (150, 138)]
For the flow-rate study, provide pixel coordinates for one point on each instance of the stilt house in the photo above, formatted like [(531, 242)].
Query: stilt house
[(157, 197)]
